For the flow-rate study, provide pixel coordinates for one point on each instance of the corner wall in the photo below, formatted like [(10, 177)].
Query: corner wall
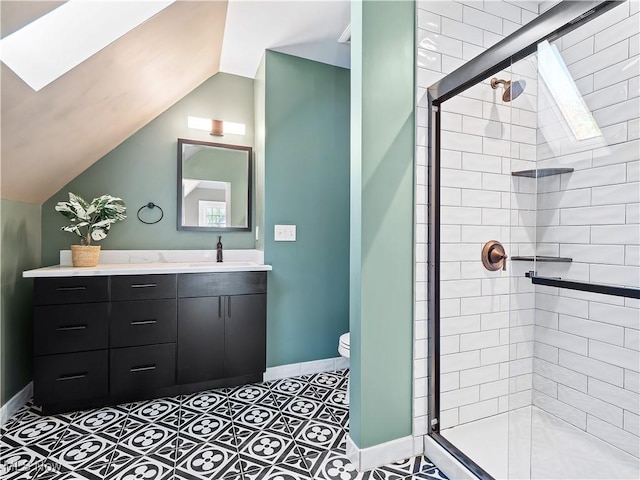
[(306, 179), (143, 169), (382, 196), (20, 250)]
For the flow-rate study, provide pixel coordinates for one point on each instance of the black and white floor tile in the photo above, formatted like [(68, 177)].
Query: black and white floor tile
[(290, 429)]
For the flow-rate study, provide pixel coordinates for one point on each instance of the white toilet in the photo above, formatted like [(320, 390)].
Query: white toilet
[(344, 349)]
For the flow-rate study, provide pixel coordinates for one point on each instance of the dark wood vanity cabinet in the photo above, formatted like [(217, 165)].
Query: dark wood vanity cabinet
[(123, 338)]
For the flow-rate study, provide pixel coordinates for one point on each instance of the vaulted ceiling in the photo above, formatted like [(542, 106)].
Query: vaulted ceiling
[(51, 136)]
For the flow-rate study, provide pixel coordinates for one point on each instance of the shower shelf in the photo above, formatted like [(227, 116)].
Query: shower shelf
[(541, 172), (542, 258)]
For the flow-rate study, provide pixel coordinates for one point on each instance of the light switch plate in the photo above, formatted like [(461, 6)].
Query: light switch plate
[(285, 233)]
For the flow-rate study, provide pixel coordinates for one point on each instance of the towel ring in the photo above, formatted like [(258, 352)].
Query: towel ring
[(150, 206)]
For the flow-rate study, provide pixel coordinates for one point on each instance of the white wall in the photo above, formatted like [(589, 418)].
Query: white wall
[(586, 345)]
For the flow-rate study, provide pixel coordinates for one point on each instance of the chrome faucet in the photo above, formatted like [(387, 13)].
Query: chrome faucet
[(219, 248)]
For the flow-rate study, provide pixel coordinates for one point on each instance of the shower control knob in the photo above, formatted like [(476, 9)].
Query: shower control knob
[(493, 256)]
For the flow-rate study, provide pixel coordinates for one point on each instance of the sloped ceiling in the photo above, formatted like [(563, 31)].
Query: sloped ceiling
[(51, 136)]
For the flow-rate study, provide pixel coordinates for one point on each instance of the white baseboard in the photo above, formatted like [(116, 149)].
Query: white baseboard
[(372, 457), (305, 368), (446, 462), (15, 403)]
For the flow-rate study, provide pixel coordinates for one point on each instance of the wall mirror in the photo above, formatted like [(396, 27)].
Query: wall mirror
[(214, 186)]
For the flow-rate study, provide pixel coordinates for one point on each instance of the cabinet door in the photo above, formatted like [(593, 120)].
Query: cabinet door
[(200, 339), (245, 334)]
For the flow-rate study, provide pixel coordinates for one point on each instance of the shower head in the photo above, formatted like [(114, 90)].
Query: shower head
[(511, 89)]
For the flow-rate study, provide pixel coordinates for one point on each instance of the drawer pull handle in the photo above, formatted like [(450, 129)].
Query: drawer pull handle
[(142, 369), (143, 285), (143, 322), (73, 376), (67, 328), (68, 289)]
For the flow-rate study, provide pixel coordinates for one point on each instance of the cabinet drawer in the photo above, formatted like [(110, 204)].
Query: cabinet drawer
[(142, 287), (141, 370), (70, 328), (64, 290), (143, 322), (70, 376), (225, 283)]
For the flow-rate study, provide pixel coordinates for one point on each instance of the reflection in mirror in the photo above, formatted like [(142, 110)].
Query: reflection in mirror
[(214, 186)]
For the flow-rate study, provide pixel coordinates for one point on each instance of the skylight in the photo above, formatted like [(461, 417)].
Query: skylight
[(50, 46)]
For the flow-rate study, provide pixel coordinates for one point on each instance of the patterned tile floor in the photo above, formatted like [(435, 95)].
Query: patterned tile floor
[(288, 429)]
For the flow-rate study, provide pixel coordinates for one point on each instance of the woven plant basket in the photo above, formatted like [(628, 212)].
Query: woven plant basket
[(85, 255)]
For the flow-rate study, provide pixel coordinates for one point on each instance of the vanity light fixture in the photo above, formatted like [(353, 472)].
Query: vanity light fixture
[(217, 128)]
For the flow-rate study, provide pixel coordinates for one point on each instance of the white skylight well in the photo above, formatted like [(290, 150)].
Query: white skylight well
[(50, 46)]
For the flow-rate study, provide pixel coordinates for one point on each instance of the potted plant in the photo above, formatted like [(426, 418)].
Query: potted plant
[(90, 221)]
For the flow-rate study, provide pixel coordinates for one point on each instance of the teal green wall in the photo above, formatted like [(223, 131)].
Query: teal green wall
[(382, 172), (19, 250), (143, 169), (306, 184), (259, 92)]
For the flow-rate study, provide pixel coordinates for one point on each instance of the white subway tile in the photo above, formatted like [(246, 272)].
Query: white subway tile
[(616, 315), (494, 389), (620, 112), (607, 96), (608, 195), (448, 418), (598, 215), (470, 306), (483, 20), (428, 21), (493, 146), (449, 64), (451, 122), (632, 381), (591, 405), (448, 9), (477, 376), (455, 398), (633, 129), (450, 308), (495, 286), (632, 255), (494, 181), (490, 321), (560, 374), (429, 60), (633, 213), (633, 172), (545, 385), (451, 159), (460, 215), (469, 50), (562, 340), (459, 179), (484, 339), (623, 440), (425, 78), (615, 155), (449, 381), (632, 338), (561, 410), (564, 199), (594, 177), (460, 288), (568, 306), (450, 234), (458, 252), (489, 39), (578, 51), (450, 196), (615, 234), (460, 324), (477, 233), (616, 33), (593, 63), (614, 395), (631, 421), (595, 330), (493, 355), (461, 31), (482, 198), (485, 128), (459, 361), (478, 410), (612, 354), (616, 274), (592, 367)]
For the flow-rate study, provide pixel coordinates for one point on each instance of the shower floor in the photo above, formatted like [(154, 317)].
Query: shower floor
[(506, 446)]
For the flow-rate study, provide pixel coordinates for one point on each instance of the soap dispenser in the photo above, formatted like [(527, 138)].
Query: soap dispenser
[(219, 248)]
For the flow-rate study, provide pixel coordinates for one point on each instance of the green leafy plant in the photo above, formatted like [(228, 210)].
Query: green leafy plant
[(91, 221)]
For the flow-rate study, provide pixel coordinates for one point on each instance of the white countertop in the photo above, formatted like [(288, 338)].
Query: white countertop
[(145, 262)]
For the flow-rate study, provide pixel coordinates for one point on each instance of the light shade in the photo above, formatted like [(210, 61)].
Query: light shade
[(216, 127)]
